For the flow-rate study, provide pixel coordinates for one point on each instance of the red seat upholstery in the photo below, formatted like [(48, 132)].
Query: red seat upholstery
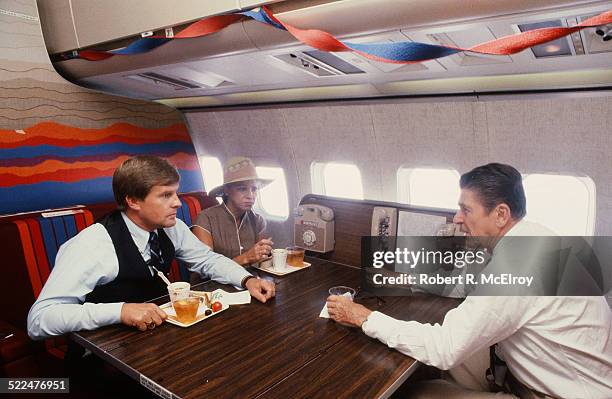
[(39, 236)]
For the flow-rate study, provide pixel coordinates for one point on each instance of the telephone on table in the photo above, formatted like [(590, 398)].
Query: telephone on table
[(314, 228)]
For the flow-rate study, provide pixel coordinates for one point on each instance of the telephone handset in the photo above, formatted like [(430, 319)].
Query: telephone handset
[(384, 226), (314, 227), (384, 221), (323, 212)]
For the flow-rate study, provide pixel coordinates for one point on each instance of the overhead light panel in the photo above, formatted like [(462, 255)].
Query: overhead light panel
[(319, 63), (555, 48)]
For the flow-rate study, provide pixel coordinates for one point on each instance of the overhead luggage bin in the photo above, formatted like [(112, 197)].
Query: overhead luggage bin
[(252, 62)]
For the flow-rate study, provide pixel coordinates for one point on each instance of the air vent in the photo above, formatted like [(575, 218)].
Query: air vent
[(183, 78), (197, 76), (332, 61), (386, 67), (162, 80), (319, 63), (467, 39)]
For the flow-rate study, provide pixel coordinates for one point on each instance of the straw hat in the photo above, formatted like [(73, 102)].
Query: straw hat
[(236, 170)]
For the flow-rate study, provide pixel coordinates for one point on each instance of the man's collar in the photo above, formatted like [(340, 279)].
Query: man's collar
[(139, 235), (516, 229)]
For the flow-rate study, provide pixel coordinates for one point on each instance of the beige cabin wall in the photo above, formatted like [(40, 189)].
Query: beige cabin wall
[(546, 134)]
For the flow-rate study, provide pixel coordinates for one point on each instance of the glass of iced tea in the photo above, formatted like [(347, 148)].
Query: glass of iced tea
[(187, 308), (295, 256)]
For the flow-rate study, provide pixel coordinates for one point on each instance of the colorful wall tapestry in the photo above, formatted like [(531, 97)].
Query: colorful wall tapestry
[(51, 165)]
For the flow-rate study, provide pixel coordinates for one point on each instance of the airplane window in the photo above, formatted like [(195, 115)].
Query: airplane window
[(564, 204), (337, 180), (212, 172), (433, 188), (273, 198)]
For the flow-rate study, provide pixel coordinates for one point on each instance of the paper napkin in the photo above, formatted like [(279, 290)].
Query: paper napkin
[(234, 298), (324, 313)]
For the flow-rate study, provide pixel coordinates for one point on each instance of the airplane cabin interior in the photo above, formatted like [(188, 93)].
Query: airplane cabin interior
[(356, 125)]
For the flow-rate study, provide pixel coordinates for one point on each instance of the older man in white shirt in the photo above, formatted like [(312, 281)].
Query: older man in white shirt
[(557, 347)]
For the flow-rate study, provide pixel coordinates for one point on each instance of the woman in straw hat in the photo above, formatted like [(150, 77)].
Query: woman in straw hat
[(232, 228)]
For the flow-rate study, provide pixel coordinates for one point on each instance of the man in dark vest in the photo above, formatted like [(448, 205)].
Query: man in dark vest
[(106, 273)]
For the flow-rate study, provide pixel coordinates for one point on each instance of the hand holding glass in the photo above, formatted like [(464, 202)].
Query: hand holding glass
[(342, 290)]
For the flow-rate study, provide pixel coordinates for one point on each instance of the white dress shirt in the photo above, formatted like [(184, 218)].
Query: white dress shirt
[(560, 346), (89, 259)]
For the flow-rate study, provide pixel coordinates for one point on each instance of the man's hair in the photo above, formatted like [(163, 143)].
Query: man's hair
[(136, 177), (496, 183)]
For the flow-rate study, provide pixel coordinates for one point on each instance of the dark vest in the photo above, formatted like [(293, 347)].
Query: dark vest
[(134, 283)]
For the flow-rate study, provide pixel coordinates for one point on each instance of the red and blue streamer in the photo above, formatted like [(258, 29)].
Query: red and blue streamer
[(398, 52)]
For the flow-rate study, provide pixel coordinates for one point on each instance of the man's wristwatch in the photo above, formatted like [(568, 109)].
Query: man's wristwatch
[(244, 281)]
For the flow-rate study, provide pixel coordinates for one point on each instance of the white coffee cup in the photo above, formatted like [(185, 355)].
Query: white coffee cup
[(279, 259), (179, 290)]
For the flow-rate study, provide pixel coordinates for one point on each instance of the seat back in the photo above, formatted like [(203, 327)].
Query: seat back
[(33, 242), (40, 237)]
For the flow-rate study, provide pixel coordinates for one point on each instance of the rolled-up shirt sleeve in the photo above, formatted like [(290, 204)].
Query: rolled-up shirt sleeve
[(477, 323), (200, 259), (81, 264)]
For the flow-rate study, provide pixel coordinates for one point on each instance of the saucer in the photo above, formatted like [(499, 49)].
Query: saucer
[(167, 307), (290, 269)]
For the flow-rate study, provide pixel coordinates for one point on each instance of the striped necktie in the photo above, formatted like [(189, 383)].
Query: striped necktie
[(156, 256)]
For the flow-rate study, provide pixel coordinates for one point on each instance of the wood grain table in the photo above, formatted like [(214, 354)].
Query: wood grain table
[(278, 349)]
